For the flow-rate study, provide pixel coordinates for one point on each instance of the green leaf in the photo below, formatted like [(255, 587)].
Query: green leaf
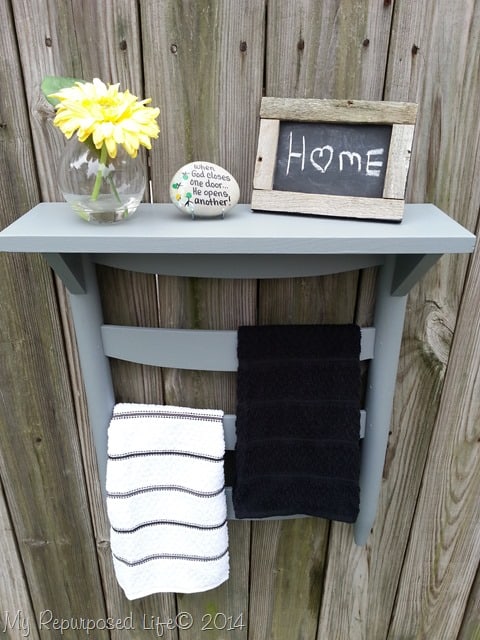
[(54, 84)]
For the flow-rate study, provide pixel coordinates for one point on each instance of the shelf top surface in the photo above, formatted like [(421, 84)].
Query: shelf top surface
[(163, 229)]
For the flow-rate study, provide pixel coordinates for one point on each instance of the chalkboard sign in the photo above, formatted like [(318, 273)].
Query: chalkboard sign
[(343, 159), (334, 158)]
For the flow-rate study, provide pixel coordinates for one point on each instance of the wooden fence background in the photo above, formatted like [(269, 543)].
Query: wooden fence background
[(207, 63)]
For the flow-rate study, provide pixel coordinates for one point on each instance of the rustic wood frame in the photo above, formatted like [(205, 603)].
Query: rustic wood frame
[(400, 115)]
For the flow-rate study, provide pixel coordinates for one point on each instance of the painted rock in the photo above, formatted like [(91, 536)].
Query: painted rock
[(203, 189)]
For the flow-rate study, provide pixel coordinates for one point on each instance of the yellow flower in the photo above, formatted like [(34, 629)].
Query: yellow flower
[(109, 116)]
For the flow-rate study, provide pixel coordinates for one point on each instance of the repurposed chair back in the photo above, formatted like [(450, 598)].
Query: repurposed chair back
[(199, 350)]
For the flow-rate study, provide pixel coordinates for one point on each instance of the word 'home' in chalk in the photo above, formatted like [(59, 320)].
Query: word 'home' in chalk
[(332, 159)]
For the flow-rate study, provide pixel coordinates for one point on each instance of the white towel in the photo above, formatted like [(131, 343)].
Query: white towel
[(166, 499)]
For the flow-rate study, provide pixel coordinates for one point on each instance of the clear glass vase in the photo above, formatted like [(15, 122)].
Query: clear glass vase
[(101, 192)]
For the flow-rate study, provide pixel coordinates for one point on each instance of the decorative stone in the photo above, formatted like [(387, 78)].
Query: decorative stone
[(203, 189)]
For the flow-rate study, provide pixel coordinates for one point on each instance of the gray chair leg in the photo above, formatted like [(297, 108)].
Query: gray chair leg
[(97, 378), (389, 320)]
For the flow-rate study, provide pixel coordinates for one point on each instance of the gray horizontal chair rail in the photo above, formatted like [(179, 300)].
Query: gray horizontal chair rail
[(244, 245)]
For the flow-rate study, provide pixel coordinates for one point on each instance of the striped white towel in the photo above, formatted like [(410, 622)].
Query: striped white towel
[(166, 499)]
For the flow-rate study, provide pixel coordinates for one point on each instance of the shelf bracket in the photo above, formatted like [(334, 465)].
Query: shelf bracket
[(410, 269), (69, 268)]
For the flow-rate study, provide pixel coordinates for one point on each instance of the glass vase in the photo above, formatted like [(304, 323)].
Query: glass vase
[(101, 192)]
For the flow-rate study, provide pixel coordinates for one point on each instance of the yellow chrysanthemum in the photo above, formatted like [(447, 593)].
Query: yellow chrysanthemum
[(109, 116)]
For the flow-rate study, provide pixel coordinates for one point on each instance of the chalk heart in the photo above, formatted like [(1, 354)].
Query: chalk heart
[(204, 190), (324, 155)]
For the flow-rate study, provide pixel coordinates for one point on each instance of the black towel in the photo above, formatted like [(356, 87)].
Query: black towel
[(298, 421)]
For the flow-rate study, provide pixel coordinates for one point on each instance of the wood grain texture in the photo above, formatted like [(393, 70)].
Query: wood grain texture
[(346, 111), (16, 180), (353, 593), (203, 66), (18, 173), (316, 51), (441, 76), (86, 41), (470, 629), (350, 60), (132, 383), (117, 31), (203, 63), (328, 49), (398, 162), (324, 205), (40, 449), (266, 154), (16, 616), (210, 304), (40, 445), (444, 547), (307, 300), (287, 572)]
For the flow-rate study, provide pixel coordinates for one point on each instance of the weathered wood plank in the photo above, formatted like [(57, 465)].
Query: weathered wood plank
[(288, 558), (16, 615), (82, 41), (471, 621), (40, 447), (307, 300), (132, 383), (398, 162), (322, 64), (444, 547), (266, 154), (333, 206), (287, 571), (347, 111), (426, 67), (317, 50), (348, 566), (210, 304), (208, 83), (328, 49), (118, 30), (351, 591)]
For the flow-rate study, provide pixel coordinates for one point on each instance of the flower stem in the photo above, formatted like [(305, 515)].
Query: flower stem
[(114, 188), (98, 179)]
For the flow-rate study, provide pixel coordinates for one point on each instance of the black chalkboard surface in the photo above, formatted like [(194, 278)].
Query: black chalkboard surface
[(333, 159)]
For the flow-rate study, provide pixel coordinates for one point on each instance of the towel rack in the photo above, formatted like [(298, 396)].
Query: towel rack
[(244, 245), (196, 349)]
